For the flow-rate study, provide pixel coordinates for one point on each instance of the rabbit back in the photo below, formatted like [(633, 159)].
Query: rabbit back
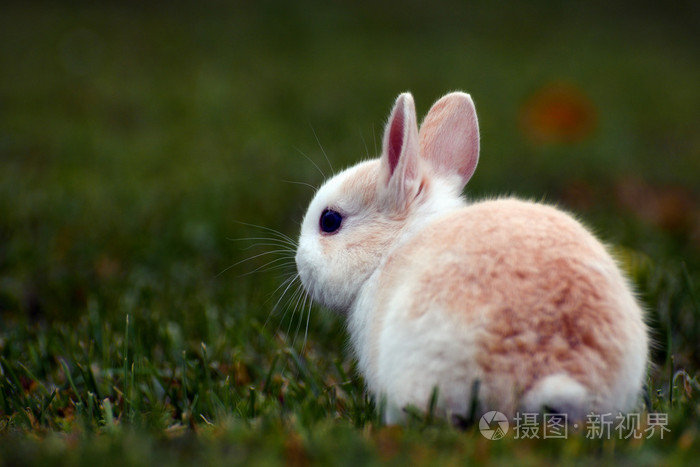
[(514, 294)]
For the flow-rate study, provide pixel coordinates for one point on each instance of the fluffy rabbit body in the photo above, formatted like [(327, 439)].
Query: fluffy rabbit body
[(440, 293)]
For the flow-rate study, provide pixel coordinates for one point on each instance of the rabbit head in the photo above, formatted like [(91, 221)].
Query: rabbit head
[(361, 214)]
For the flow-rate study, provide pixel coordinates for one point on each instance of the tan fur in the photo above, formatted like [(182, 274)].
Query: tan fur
[(532, 281), (363, 186)]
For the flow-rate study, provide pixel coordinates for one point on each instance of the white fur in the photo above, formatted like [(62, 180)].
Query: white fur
[(557, 392)]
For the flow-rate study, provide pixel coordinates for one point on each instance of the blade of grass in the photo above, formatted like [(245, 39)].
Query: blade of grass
[(125, 368), (207, 375), (16, 385), (432, 406), (671, 371), (45, 406), (3, 399), (270, 372), (184, 378), (69, 377), (251, 403), (90, 413), (109, 421), (31, 376), (691, 290), (132, 406), (89, 378)]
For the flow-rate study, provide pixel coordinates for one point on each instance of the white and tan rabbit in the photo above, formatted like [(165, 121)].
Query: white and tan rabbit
[(440, 293)]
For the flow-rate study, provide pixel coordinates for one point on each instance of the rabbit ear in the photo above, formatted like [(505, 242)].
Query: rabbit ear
[(400, 162), (449, 137)]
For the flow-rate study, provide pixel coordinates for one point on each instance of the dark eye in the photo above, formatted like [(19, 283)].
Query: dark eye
[(330, 221)]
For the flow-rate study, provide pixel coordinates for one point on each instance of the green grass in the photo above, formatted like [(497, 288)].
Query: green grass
[(137, 141)]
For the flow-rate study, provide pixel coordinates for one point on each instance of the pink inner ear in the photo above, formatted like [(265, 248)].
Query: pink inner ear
[(449, 136), (395, 140)]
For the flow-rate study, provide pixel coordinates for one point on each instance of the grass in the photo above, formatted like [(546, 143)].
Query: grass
[(136, 142)]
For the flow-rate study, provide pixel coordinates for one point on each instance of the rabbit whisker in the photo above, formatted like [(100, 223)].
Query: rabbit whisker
[(275, 241), (288, 283), (285, 248), (294, 311), (301, 317), (287, 254), (312, 161), (267, 267), (268, 229), (322, 150), (301, 183), (364, 143), (308, 318)]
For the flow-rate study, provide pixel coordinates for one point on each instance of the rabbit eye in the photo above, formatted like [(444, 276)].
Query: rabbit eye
[(330, 221)]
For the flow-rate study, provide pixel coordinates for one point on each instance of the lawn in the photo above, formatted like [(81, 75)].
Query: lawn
[(146, 151)]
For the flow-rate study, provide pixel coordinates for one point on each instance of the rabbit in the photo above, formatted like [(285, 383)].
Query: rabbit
[(509, 303)]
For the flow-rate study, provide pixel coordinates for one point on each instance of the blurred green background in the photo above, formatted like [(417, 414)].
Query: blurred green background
[(136, 137), (133, 136)]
